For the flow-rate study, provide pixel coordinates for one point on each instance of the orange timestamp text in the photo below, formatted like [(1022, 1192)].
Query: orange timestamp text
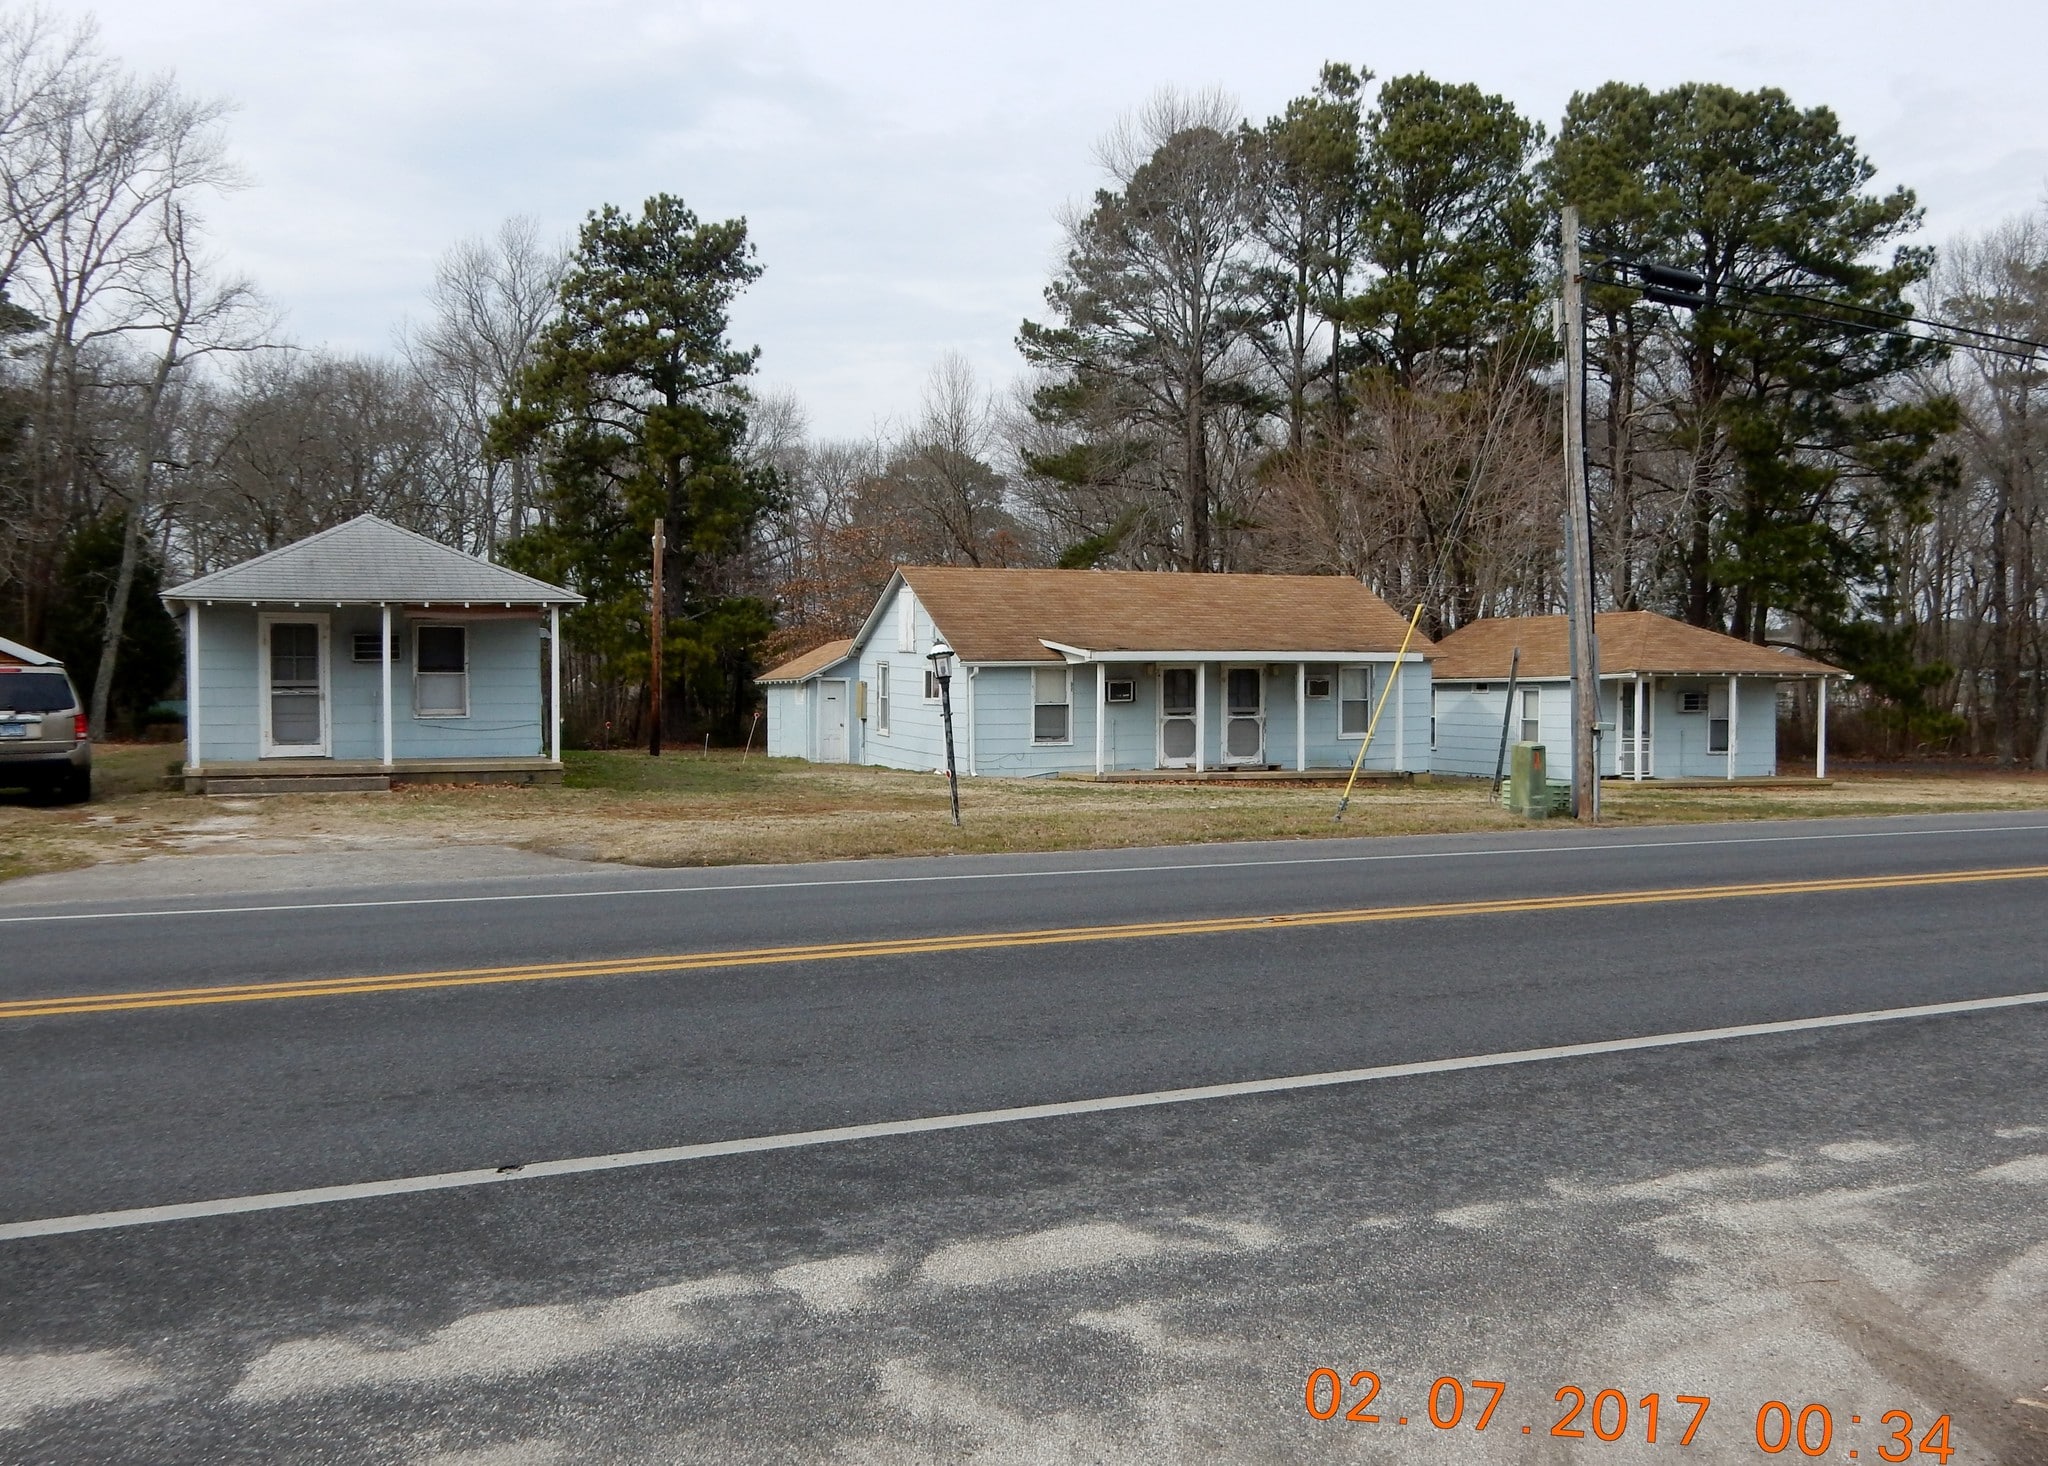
[(1811, 1429)]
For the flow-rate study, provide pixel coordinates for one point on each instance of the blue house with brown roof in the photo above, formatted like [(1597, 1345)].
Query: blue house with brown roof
[(1113, 671)]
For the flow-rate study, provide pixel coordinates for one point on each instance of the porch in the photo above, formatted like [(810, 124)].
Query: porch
[(359, 775), (1267, 775)]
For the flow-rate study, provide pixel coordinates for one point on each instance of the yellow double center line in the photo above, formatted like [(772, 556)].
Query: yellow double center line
[(332, 987)]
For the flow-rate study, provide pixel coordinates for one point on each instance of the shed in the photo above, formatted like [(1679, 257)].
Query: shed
[(1676, 701), (1109, 672), (365, 655), (810, 704), (14, 654)]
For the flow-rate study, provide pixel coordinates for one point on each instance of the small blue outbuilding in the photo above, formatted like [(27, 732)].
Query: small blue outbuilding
[(366, 655)]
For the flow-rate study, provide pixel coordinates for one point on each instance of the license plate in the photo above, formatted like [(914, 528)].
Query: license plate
[(13, 730)]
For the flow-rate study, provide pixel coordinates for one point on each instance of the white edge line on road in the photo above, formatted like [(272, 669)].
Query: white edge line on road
[(883, 1129), (1017, 875)]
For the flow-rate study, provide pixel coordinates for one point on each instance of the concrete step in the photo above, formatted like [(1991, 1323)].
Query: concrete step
[(291, 784)]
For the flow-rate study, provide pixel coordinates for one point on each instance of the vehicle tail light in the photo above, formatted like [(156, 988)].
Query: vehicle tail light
[(80, 728)]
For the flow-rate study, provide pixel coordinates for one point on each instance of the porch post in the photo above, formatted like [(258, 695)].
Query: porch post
[(1640, 732), (1734, 721), (1101, 712), (385, 668), (1820, 741), (1400, 719), (1653, 730), (1201, 709), (555, 684), (1300, 716), (192, 752), (972, 768)]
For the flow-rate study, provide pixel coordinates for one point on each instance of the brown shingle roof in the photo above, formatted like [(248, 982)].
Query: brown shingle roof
[(1630, 641), (815, 660), (1005, 615)]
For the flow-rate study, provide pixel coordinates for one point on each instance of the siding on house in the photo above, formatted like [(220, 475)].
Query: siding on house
[(505, 699), (1468, 727)]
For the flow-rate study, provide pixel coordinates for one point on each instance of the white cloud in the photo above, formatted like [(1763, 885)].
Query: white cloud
[(901, 164)]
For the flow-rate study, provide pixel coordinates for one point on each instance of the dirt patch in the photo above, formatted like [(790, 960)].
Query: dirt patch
[(686, 809)]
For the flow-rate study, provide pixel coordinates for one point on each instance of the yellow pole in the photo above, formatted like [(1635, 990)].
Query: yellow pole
[(1378, 708)]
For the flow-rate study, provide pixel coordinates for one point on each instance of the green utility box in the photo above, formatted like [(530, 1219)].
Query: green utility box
[(1528, 790)]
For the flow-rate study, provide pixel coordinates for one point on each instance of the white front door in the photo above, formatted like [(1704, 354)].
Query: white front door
[(1244, 715), (1177, 732), (832, 720), (293, 683)]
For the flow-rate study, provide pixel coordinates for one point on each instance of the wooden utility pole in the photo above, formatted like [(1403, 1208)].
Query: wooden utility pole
[(654, 620), (1585, 646)]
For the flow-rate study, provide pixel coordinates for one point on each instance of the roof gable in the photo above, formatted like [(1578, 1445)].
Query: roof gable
[(1009, 615), (14, 654), (1630, 642), (370, 561)]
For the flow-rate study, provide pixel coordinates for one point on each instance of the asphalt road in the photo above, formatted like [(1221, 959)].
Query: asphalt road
[(1850, 1216)]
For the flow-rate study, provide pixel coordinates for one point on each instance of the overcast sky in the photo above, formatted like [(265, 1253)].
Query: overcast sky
[(900, 165)]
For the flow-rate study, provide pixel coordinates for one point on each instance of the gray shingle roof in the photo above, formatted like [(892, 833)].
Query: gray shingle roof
[(369, 561)]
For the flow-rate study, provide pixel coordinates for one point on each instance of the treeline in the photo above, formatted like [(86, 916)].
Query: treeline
[(1322, 341)]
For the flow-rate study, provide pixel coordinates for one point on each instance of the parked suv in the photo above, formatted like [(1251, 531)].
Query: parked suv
[(44, 744)]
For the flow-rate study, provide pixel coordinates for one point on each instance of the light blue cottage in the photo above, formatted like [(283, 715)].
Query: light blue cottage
[(1676, 701), (1100, 672), (367, 654)]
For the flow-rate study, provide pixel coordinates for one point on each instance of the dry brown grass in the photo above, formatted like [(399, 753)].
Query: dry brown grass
[(688, 810)]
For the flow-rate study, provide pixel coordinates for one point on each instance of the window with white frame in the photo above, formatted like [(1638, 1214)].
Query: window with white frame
[(881, 697), (906, 622), (1532, 715), (440, 671), (1354, 701), (931, 684), (1051, 705)]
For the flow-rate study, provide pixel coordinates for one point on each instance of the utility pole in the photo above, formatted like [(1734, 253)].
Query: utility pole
[(1585, 646), (654, 621)]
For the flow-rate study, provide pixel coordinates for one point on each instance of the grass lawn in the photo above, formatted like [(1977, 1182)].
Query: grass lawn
[(687, 809)]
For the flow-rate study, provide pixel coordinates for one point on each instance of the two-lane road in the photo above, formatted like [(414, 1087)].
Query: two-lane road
[(1725, 1003)]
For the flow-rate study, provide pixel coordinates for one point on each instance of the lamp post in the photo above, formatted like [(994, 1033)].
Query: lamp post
[(941, 658)]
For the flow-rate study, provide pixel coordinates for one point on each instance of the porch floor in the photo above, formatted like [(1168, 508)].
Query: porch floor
[(1242, 776), (1708, 781), (359, 775)]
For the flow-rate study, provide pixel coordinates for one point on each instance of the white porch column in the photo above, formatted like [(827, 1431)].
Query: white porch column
[(1300, 716), (971, 766), (555, 683), (1653, 727), (1400, 696), (192, 752), (1820, 741), (1734, 721), (385, 668), (1101, 712), (1641, 730), (1201, 710)]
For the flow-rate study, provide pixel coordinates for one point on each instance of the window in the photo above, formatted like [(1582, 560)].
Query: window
[(1051, 690), (367, 644), (906, 623), (882, 697), (1354, 701), (37, 692), (1482, 687), (1120, 689), (1532, 715), (931, 684), (1318, 687), (1692, 702), (440, 672), (1717, 735)]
